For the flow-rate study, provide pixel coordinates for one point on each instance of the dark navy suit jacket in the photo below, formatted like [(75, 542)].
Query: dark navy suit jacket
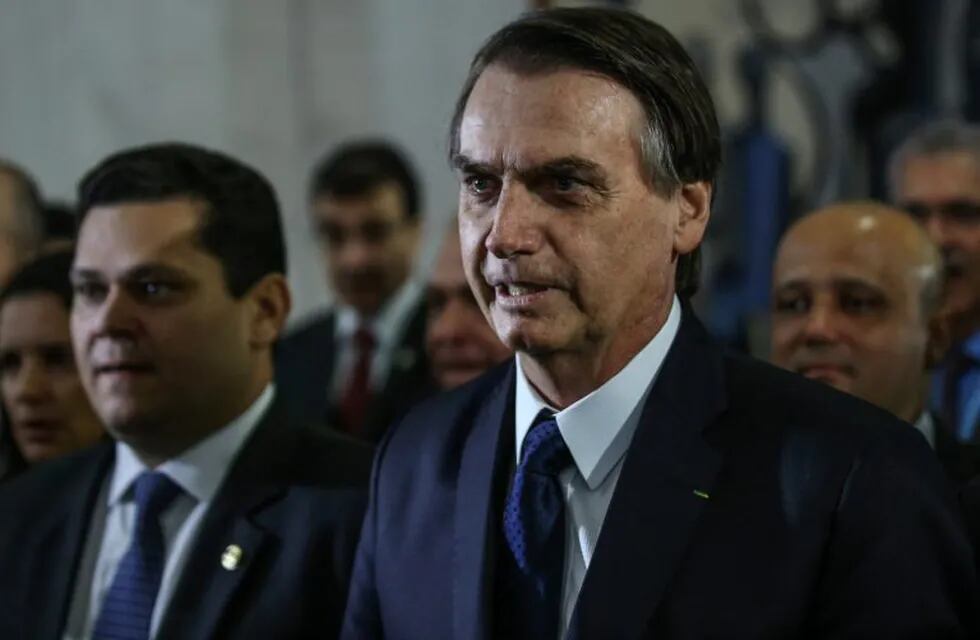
[(305, 362), (293, 501), (824, 517)]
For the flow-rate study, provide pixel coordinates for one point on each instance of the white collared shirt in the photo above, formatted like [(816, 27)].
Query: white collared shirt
[(927, 427), (597, 429), (199, 471), (387, 326)]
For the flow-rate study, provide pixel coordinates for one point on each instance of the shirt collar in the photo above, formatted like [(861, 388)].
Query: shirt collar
[(598, 428), (927, 427), (199, 470), (386, 325)]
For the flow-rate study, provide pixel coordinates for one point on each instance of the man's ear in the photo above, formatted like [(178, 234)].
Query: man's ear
[(271, 301), (939, 339), (694, 200)]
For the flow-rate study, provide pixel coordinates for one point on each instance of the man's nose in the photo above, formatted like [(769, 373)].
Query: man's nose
[(31, 383), (515, 227), (821, 324)]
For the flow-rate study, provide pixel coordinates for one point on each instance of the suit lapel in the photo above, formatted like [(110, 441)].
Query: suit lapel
[(655, 506), (61, 541), (483, 461), (230, 543)]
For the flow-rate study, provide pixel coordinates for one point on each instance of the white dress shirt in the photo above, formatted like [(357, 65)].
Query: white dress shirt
[(387, 327), (927, 427), (597, 429), (199, 471)]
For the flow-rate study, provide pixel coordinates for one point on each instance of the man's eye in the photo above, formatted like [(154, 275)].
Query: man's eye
[(9, 363), (566, 183), (478, 184), (860, 304), (155, 289), (89, 291), (791, 304)]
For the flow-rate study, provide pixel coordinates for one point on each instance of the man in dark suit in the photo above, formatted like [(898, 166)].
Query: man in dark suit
[(210, 516), (935, 176), (857, 304), (622, 477), (363, 363)]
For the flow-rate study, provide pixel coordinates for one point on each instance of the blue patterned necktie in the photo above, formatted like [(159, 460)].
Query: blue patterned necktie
[(534, 527), (128, 605)]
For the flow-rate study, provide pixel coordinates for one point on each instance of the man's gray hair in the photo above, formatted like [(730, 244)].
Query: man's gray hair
[(941, 136)]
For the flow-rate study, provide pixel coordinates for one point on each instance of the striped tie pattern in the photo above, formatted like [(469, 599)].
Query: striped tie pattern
[(128, 605)]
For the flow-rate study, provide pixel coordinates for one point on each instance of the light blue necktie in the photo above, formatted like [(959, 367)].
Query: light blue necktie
[(128, 605)]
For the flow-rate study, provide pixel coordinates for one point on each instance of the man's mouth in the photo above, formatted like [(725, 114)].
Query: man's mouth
[(519, 289), (122, 368), (826, 372)]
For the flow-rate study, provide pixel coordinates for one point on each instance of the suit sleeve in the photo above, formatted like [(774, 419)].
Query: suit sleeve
[(899, 563), (362, 619)]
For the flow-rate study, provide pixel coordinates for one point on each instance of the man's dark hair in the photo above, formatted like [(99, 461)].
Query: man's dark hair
[(358, 168), (681, 142), (59, 221), (46, 274), (27, 226), (241, 227)]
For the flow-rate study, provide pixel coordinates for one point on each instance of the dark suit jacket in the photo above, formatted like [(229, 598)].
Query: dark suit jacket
[(960, 459), (293, 501), (305, 362), (826, 517)]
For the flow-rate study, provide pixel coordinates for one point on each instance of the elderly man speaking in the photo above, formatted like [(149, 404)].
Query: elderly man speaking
[(622, 477)]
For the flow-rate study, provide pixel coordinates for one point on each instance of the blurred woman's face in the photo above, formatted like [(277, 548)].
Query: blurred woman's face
[(50, 414)]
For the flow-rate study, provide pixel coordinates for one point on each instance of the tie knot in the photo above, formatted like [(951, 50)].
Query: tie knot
[(154, 491), (364, 339), (544, 449)]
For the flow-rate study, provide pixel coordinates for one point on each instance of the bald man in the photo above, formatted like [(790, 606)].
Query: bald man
[(857, 290), (460, 342)]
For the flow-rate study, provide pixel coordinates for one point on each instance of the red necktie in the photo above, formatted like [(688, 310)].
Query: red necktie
[(357, 394)]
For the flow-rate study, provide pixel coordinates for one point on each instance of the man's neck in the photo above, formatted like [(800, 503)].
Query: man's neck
[(564, 377)]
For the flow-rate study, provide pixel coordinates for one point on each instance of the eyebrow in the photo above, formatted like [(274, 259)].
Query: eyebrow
[(587, 169), (152, 269), (834, 282)]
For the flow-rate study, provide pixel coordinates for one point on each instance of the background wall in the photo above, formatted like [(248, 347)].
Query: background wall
[(278, 82)]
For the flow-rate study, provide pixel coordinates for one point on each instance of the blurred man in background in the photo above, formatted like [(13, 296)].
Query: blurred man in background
[(363, 363), (212, 515), (460, 342), (935, 176), (857, 294), (21, 218)]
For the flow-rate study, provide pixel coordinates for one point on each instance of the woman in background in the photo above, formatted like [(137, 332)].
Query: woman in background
[(47, 413)]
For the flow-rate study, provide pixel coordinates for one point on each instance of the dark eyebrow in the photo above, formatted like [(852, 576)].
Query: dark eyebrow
[(149, 270), (588, 170), (468, 165)]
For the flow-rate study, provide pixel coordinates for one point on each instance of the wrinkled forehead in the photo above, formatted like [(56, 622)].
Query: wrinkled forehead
[(519, 119)]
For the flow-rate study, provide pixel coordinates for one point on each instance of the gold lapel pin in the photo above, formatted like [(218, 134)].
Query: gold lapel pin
[(231, 557), (702, 494)]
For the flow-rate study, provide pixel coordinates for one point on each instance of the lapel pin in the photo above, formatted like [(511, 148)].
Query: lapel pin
[(231, 557), (702, 494)]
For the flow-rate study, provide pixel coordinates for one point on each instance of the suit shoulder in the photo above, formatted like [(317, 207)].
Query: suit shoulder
[(316, 328), (321, 454), (34, 489), (773, 398), (445, 417)]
